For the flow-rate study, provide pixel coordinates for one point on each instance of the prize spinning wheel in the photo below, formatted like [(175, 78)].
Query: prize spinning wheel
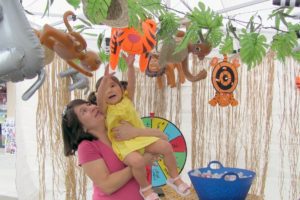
[(176, 139)]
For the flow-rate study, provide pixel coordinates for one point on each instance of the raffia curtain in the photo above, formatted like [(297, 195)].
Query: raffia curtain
[(241, 136), (165, 103), (288, 105), (65, 175)]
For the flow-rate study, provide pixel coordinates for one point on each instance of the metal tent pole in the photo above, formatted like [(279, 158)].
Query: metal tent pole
[(239, 6), (232, 8)]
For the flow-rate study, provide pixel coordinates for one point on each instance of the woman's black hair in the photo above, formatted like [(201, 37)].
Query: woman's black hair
[(72, 130)]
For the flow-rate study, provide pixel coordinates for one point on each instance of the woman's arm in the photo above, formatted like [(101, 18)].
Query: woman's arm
[(108, 183), (126, 131)]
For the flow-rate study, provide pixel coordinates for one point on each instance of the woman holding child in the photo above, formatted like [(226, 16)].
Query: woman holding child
[(84, 130)]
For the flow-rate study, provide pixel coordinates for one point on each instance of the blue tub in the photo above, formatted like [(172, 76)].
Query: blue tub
[(229, 187)]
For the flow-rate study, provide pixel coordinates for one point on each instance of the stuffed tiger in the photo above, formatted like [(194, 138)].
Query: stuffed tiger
[(133, 42)]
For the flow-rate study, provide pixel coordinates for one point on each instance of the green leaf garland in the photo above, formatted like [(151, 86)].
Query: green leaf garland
[(96, 10), (226, 46), (253, 48)]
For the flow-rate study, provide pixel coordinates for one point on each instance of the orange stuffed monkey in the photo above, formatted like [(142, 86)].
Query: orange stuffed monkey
[(70, 46), (154, 70)]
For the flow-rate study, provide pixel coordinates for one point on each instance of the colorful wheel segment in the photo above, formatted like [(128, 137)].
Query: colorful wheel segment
[(176, 139)]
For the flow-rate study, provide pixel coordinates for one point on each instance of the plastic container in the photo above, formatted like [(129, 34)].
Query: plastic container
[(228, 187)]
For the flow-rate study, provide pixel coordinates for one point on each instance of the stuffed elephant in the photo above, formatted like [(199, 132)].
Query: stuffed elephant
[(21, 54), (79, 81)]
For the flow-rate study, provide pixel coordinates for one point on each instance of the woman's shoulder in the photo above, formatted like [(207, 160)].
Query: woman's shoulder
[(88, 145), (87, 142), (88, 151)]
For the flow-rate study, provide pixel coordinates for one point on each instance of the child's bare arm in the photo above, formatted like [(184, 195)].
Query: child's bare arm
[(101, 90), (131, 75), (101, 99)]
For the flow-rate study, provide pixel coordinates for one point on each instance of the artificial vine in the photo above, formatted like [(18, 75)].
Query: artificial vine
[(206, 26), (96, 10)]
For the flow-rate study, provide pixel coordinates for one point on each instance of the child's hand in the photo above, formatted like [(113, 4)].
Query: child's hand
[(129, 59), (107, 76), (106, 72)]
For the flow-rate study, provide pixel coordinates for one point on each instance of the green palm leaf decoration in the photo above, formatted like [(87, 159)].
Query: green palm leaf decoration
[(104, 57), (96, 10), (226, 46), (169, 25), (205, 17), (122, 65), (140, 10), (191, 35), (253, 48), (215, 36), (205, 27), (74, 3), (283, 44), (296, 55)]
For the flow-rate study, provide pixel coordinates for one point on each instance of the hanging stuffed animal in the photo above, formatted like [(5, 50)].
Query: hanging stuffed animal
[(224, 79), (298, 82), (154, 70), (168, 56), (133, 42), (21, 55), (70, 46), (79, 81)]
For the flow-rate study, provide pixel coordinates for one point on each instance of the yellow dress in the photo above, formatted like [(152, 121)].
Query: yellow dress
[(125, 110)]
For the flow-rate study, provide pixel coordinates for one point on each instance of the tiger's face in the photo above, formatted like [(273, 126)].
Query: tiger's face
[(133, 42)]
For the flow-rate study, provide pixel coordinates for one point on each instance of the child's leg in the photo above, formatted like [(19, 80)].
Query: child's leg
[(165, 148), (137, 163)]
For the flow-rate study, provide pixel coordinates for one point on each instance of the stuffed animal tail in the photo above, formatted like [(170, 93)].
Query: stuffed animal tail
[(114, 49)]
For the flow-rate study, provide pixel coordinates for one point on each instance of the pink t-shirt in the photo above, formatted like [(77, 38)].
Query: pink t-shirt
[(92, 150)]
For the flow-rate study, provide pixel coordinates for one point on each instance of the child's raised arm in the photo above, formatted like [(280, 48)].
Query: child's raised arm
[(131, 75), (101, 90)]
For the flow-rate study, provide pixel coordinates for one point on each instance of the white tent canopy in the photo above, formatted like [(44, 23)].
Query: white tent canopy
[(241, 10)]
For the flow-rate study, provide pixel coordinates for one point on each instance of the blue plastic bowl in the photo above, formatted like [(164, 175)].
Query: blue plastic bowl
[(222, 188)]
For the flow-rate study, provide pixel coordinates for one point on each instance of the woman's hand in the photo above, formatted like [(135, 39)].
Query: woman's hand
[(158, 133), (125, 131)]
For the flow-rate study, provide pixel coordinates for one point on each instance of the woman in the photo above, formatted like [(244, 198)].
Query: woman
[(84, 131)]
